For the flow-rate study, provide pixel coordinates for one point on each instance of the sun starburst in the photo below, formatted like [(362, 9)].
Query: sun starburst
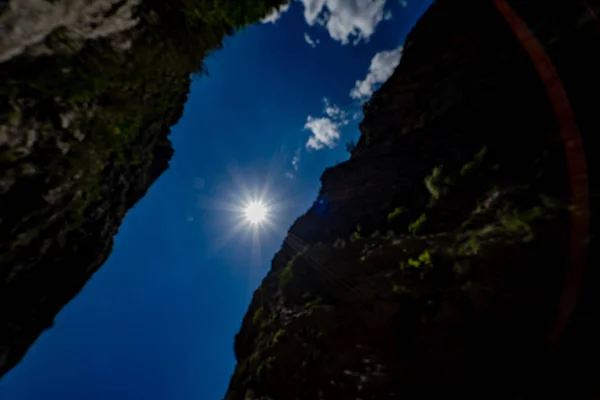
[(256, 212)]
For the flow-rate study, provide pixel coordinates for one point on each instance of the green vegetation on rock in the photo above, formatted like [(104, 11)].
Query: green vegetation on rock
[(356, 235), (258, 317), (432, 182), (398, 211), (417, 225), (286, 274)]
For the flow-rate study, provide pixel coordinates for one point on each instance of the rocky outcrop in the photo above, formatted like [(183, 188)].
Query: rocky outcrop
[(26, 23), (444, 258), (88, 93)]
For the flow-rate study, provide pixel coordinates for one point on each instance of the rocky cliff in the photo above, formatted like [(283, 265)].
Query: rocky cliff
[(88, 93), (446, 256)]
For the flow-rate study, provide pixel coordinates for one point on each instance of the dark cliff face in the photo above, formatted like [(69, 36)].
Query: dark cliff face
[(444, 256), (86, 107)]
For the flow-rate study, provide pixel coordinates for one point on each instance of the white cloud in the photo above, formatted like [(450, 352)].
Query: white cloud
[(345, 19), (387, 16), (334, 112), (325, 133), (296, 159), (275, 14), (312, 9), (312, 43), (403, 3), (326, 130), (381, 68)]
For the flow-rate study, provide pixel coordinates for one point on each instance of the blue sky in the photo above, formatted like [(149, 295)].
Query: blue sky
[(158, 320)]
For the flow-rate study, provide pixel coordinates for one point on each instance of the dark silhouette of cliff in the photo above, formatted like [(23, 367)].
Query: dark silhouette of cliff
[(452, 254), (88, 93)]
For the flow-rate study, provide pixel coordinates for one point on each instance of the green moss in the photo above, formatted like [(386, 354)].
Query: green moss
[(414, 263), (423, 260), (314, 302), (286, 274), (417, 225), (356, 234), (400, 289), (475, 163), (509, 222), (467, 167), (265, 366), (471, 246), (425, 257), (398, 211), (258, 317), (518, 223), (253, 358), (278, 335), (432, 182)]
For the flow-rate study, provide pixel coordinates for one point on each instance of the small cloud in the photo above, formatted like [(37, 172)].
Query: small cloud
[(345, 20), (289, 175), (275, 14), (333, 111), (387, 16), (403, 3), (296, 159), (326, 130), (312, 43), (325, 133), (382, 67), (190, 218)]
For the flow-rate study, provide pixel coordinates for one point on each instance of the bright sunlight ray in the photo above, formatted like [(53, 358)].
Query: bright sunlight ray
[(255, 212)]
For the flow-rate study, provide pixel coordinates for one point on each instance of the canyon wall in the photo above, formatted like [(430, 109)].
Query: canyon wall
[(445, 257)]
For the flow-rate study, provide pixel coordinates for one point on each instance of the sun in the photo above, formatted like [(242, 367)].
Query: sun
[(256, 212)]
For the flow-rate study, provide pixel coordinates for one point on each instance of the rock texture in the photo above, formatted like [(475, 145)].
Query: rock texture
[(26, 23), (443, 258), (88, 93)]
